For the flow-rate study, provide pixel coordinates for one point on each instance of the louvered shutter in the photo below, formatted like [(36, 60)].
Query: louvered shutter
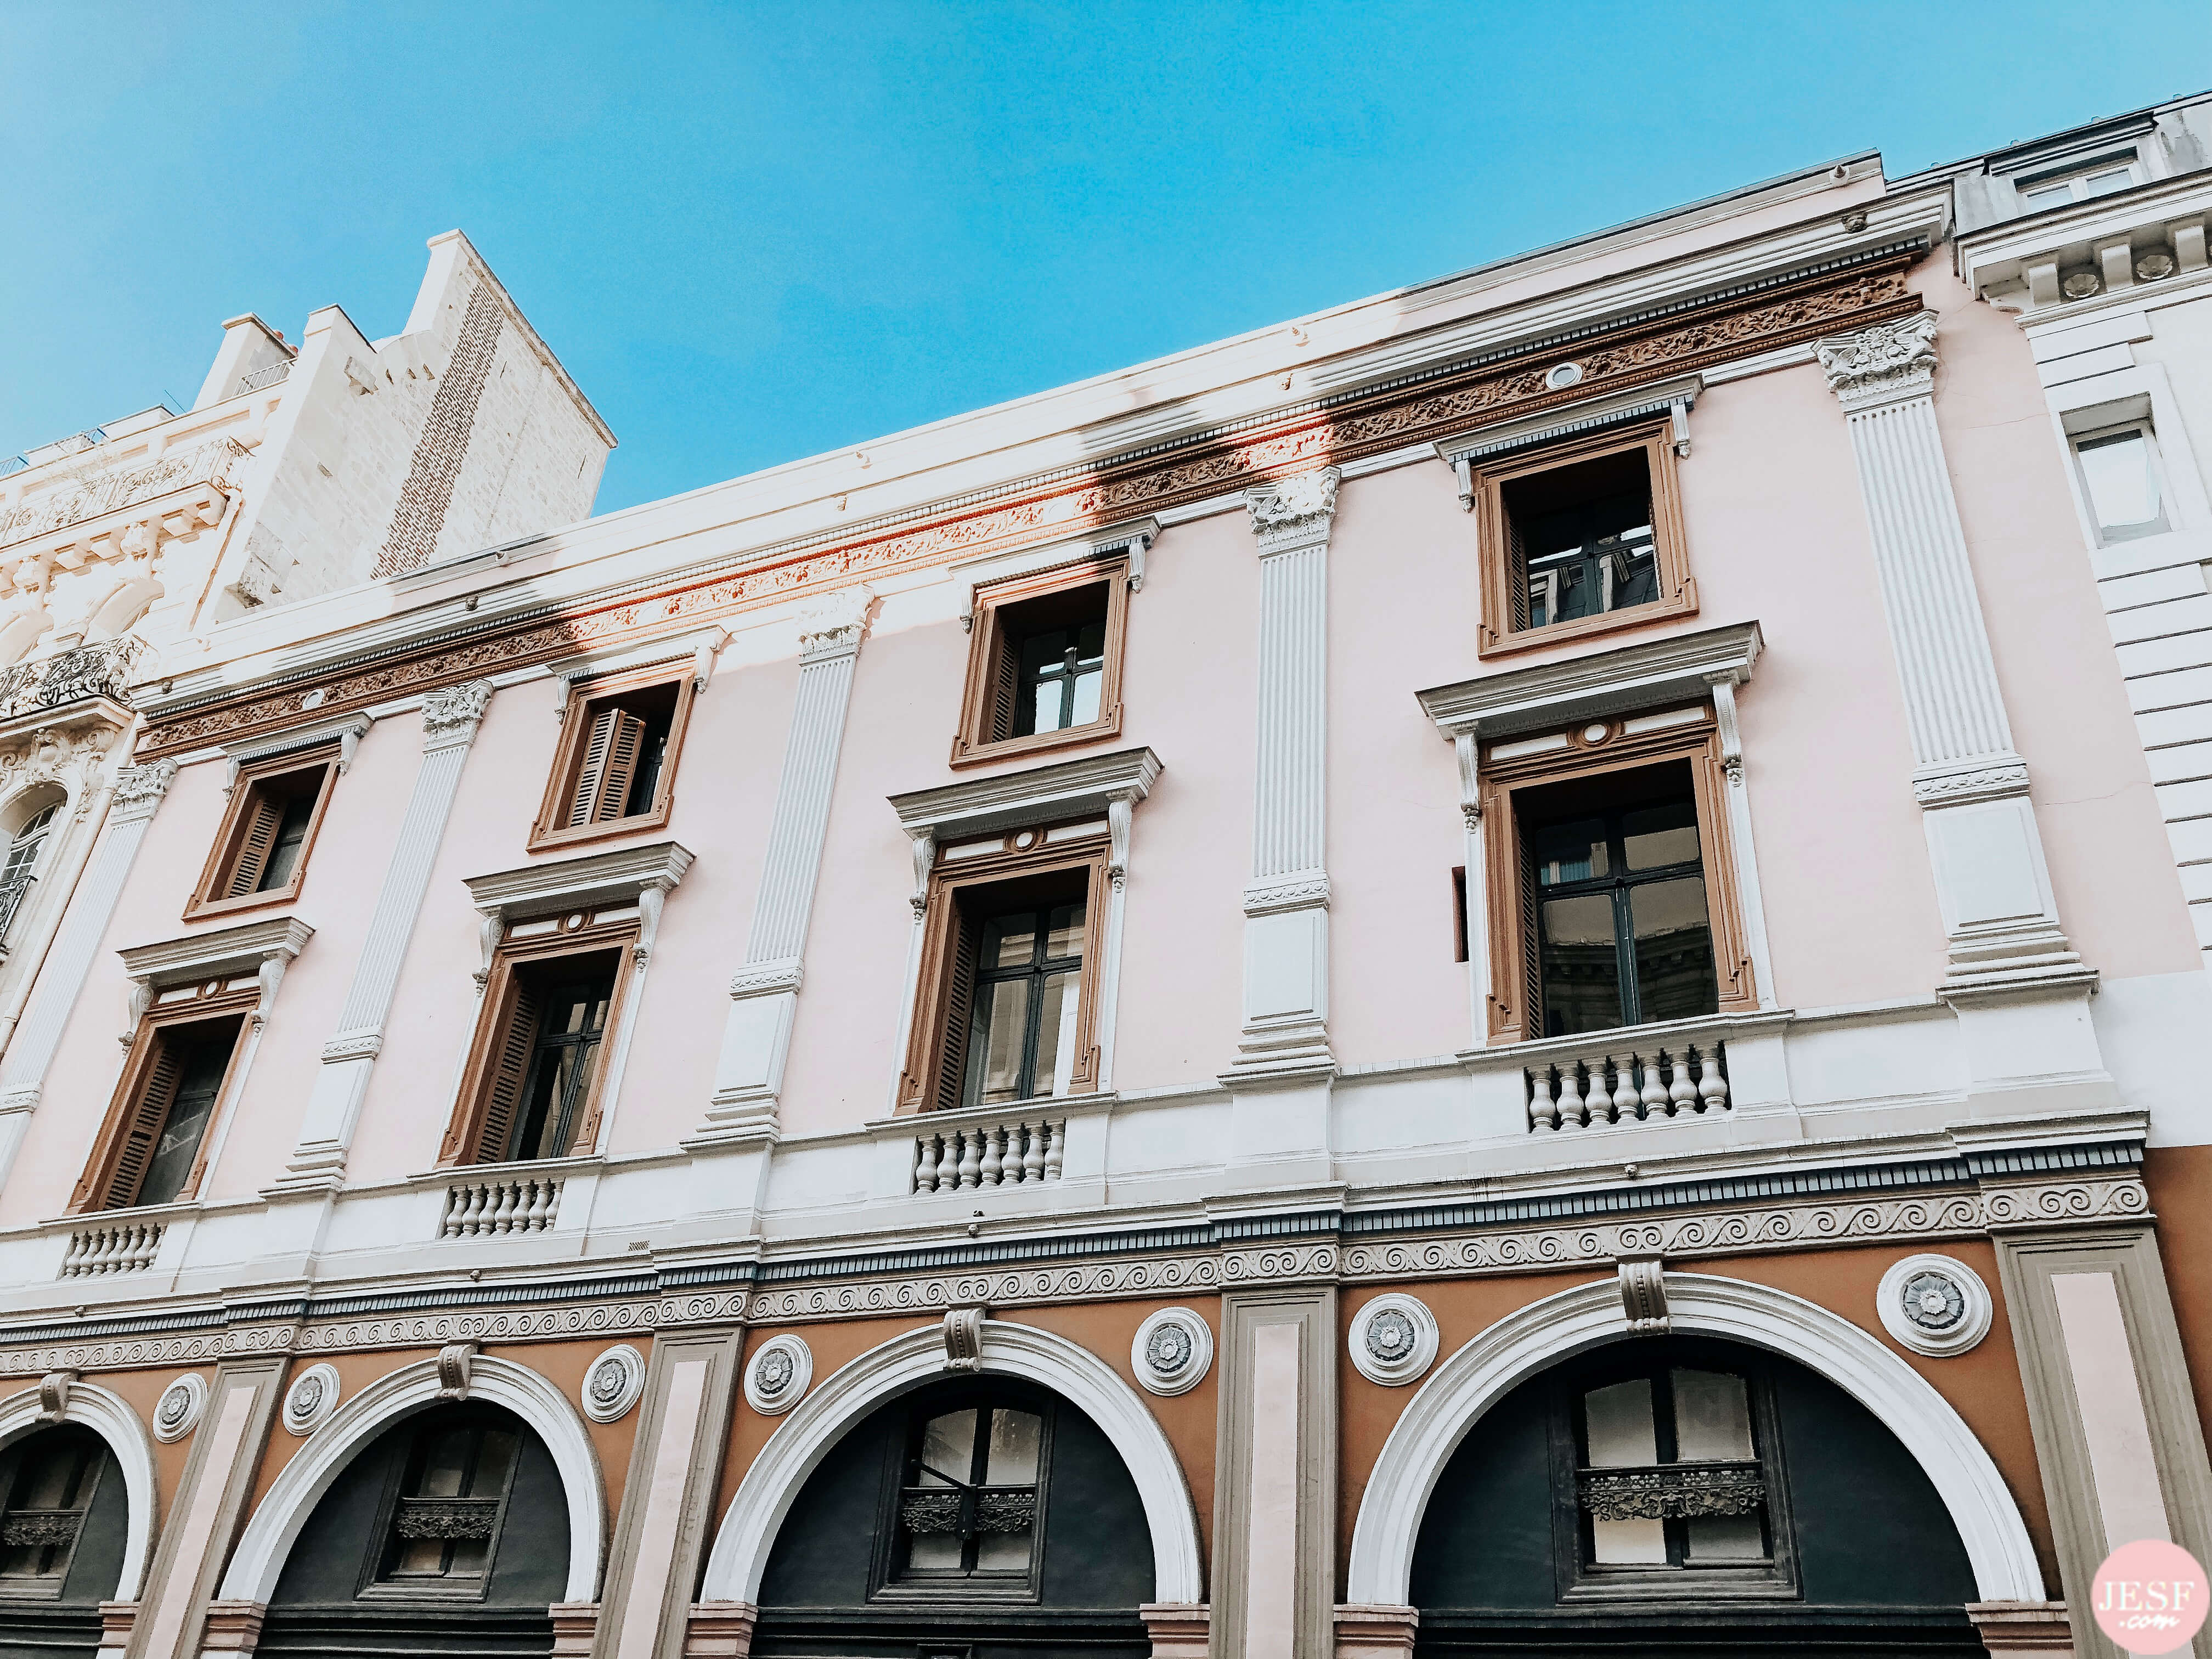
[(959, 1010), (141, 1131), (1532, 954), (265, 814), (509, 1070), (1006, 686), (1516, 572), (626, 750)]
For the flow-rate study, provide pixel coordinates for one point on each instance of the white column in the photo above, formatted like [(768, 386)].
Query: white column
[(764, 991), (450, 719), (137, 796), (1285, 1033), (1990, 879)]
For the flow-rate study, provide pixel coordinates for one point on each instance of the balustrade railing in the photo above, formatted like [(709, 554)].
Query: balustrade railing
[(261, 379), (212, 462), (992, 1155), (476, 1207), (1629, 1087), (123, 1248), (100, 670)]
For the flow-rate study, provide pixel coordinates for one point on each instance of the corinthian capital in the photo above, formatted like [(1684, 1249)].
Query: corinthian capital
[(1292, 511), (139, 789), (450, 715), (1886, 363)]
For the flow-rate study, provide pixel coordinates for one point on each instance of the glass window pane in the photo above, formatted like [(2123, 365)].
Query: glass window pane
[(1674, 977), (1570, 851), (493, 1462), (1653, 837), (2123, 487), (1617, 1421), (1580, 966), (1090, 644), (934, 1551), (1056, 1027), (469, 1557), (1066, 937), (948, 1450), (445, 1466), (420, 1558), (1088, 685), (2112, 178), (179, 1141), (1725, 1537), (1010, 941), (1004, 1552), (1629, 1543), (1046, 700), (2037, 197), (1712, 1418), (1001, 1014), (1012, 1460)]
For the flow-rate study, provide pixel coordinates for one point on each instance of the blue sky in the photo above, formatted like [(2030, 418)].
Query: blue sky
[(755, 233)]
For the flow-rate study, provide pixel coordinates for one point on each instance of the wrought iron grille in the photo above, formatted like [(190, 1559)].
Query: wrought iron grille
[(40, 1529), (969, 1511), (1672, 1491), (447, 1517)]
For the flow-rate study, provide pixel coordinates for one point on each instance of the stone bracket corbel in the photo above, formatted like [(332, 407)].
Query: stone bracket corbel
[(53, 1395), (455, 1361), (963, 1338), (1643, 1294)]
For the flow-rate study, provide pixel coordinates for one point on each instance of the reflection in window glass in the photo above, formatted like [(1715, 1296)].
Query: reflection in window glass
[(1637, 1436), (968, 1506), (1023, 1038), (2122, 481)]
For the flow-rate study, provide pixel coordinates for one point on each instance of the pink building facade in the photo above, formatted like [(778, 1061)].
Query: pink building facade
[(1501, 971)]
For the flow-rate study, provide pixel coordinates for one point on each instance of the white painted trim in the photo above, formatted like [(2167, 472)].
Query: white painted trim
[(771, 1485), (1480, 1374), (258, 1560), (108, 1417)]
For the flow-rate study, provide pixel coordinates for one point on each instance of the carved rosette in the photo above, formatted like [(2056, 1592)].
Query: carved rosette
[(1394, 1339), (1172, 1352), (1885, 364), (178, 1412), (1935, 1305), (613, 1383), (310, 1401), (778, 1374)]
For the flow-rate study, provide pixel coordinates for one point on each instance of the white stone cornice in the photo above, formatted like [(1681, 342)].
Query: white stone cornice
[(1887, 363), (701, 645), (1682, 667), (1674, 399), (1293, 512), (1036, 794), (265, 947), (345, 730), (574, 883)]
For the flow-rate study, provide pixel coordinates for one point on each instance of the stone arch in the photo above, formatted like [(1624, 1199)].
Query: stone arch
[(1467, 1385), (114, 1422), (764, 1497), (258, 1561)]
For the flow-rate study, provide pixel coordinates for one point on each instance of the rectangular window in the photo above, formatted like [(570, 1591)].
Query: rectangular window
[(152, 1147), (1044, 663), (614, 769), (2077, 184), (531, 1088), (260, 854), (1610, 891), (1580, 537), (1008, 994), (47, 1480), (2118, 468), (967, 1503), (446, 1515)]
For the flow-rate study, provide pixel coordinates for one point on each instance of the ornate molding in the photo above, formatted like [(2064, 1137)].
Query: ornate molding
[(451, 716), (1172, 1351), (310, 1401), (778, 1374), (1293, 512), (1393, 1340), (832, 625), (1643, 1294), (1027, 511), (613, 1383), (139, 789), (963, 1338), (760, 979), (1301, 890), (2006, 775), (178, 1412), (1935, 1305), (1884, 364)]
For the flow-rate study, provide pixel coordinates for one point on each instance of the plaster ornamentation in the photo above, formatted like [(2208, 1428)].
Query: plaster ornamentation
[(613, 1383), (1644, 1295), (451, 715), (1266, 897), (1172, 1351), (1882, 364), (310, 1401), (1648, 350), (1935, 1305), (53, 1395), (454, 1360), (1393, 1340), (178, 1412), (833, 623), (1292, 511), (779, 1375), (139, 789), (964, 1338), (112, 494), (766, 978), (1959, 787), (354, 1045)]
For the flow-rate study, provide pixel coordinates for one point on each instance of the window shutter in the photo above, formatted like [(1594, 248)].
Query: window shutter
[(623, 753), (265, 814), (142, 1128), (1006, 686), (1516, 573), (582, 804), (1532, 954), (959, 1010), (509, 1070)]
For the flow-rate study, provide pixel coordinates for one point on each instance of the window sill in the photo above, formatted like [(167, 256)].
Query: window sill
[(201, 909), (1660, 1033), (1106, 726), (535, 1168), (546, 841), (1683, 604)]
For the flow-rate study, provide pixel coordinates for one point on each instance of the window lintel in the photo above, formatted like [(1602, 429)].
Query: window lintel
[(701, 645), (1130, 539), (345, 730), (1674, 399), (262, 948), (1548, 696), (1063, 791)]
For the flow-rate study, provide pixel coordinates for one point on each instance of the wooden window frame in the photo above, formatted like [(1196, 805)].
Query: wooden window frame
[(1027, 852), (1503, 583), (209, 896), (550, 829), (1511, 1001), (372, 1586), (889, 1584), (48, 1587), (974, 743), (218, 998), (463, 1142)]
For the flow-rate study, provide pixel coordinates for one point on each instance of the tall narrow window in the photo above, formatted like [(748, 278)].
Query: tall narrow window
[(260, 856), (1008, 993), (46, 1485), (153, 1147), (21, 868), (532, 1084), (968, 1509), (2119, 475), (451, 1498), (615, 766), (1044, 667), (1580, 537)]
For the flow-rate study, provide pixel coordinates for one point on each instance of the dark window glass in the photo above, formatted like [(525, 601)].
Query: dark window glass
[(46, 1495), (968, 1502), (563, 1055), (1623, 935), (1670, 1475), (1062, 672), (202, 1055), (1029, 976), (1584, 537), (291, 837), (453, 1495)]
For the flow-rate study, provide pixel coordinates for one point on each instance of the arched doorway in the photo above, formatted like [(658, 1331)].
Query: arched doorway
[(446, 1533), (65, 1517), (982, 1516), (1689, 1497)]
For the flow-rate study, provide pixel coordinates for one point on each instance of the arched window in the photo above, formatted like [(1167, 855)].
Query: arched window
[(65, 1522), (20, 867), (967, 1511)]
